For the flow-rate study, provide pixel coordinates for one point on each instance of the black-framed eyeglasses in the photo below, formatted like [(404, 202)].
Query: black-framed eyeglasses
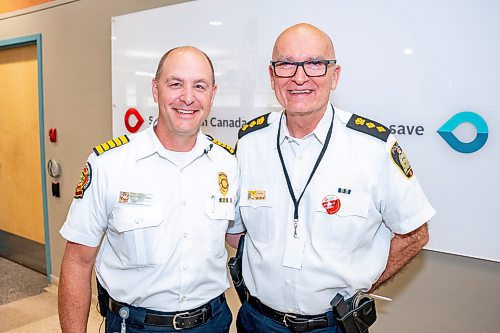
[(312, 68)]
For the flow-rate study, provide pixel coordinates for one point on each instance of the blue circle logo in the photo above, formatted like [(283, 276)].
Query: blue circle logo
[(465, 117)]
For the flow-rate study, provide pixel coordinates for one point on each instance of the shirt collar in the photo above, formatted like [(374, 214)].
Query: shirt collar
[(150, 145), (320, 132)]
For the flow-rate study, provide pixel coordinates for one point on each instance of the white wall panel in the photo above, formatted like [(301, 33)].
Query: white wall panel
[(404, 63)]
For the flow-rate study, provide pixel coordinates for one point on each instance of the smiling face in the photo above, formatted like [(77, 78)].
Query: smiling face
[(300, 94), (184, 91)]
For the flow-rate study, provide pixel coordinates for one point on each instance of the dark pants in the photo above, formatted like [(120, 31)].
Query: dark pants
[(219, 323), (251, 321)]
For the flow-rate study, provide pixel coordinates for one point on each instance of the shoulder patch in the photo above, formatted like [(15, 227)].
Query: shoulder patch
[(84, 181), (399, 158), (116, 142), (223, 145), (253, 125), (370, 127)]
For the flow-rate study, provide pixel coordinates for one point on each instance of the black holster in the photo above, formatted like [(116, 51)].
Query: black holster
[(103, 299), (236, 271), (356, 314)]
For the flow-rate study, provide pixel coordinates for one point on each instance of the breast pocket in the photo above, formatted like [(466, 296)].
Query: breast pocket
[(219, 211), (339, 229), (139, 235), (256, 208)]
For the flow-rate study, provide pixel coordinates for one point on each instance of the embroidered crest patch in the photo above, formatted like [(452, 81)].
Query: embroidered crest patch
[(399, 158), (84, 181)]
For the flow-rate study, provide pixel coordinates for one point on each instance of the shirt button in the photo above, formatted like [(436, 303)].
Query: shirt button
[(289, 282), (290, 310), (301, 158), (184, 202), (137, 221), (184, 298), (185, 235), (185, 267)]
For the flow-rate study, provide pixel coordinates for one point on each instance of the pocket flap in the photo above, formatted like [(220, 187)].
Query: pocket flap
[(127, 219), (220, 208)]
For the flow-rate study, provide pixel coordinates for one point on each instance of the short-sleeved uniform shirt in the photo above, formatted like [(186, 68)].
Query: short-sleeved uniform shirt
[(362, 192), (164, 216)]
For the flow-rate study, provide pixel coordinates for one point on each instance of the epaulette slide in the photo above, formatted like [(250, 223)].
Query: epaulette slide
[(253, 125), (370, 127), (116, 142), (223, 145)]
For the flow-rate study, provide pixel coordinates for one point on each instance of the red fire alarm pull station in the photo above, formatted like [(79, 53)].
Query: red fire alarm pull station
[(52, 135)]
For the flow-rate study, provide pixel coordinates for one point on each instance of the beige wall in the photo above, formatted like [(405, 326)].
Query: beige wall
[(76, 46), (437, 293)]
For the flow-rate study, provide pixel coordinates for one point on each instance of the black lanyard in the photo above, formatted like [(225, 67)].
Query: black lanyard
[(289, 184)]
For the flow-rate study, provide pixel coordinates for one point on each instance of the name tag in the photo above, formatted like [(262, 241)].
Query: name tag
[(256, 195), (135, 198)]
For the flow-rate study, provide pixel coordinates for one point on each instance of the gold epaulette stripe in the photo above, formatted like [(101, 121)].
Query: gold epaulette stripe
[(116, 142), (221, 144), (253, 125)]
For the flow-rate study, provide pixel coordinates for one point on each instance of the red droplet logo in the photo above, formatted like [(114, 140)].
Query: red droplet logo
[(331, 204)]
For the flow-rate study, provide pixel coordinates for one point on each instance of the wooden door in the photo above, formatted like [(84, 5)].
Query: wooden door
[(21, 201)]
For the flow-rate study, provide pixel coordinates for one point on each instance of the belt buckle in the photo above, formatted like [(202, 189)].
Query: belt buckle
[(288, 316), (174, 320)]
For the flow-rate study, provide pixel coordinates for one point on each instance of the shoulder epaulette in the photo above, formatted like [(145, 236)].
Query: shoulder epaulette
[(223, 145), (253, 125), (370, 127), (116, 142)]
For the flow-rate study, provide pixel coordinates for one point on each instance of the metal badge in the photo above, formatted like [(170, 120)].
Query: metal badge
[(223, 183)]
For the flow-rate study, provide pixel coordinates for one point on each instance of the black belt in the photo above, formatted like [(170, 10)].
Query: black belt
[(178, 320), (295, 322)]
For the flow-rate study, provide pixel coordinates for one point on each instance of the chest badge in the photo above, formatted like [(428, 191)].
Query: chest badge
[(331, 204), (135, 198), (256, 195), (223, 183)]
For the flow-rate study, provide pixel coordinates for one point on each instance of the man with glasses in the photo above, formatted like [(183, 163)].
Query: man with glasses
[(329, 209)]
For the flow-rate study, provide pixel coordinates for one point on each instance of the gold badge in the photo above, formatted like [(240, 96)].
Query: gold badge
[(256, 195), (223, 183)]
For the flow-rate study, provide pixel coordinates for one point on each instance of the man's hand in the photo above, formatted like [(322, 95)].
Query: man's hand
[(75, 288), (403, 249)]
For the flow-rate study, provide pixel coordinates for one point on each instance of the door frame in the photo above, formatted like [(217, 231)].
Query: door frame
[(36, 39)]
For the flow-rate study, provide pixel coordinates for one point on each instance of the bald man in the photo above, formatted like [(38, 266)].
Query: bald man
[(164, 199), (329, 209)]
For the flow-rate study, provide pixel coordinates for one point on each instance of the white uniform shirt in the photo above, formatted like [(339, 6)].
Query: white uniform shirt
[(165, 219), (344, 251)]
